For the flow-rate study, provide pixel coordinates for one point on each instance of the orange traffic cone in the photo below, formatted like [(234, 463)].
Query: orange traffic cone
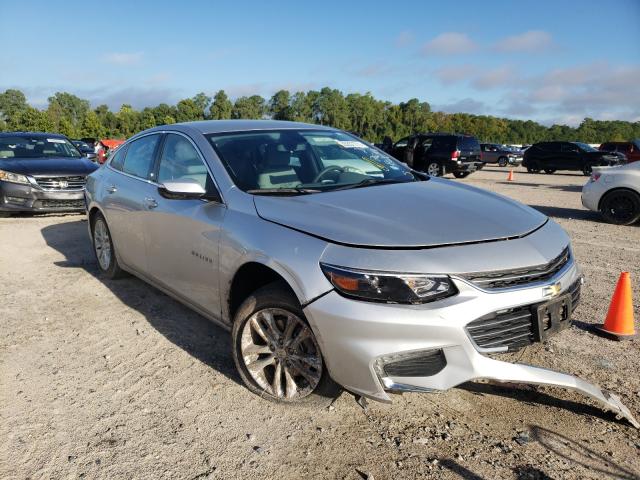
[(619, 322), (510, 177)]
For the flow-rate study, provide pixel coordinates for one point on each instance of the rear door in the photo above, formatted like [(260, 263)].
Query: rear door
[(399, 148), (469, 149), (128, 188), (183, 234), (571, 157)]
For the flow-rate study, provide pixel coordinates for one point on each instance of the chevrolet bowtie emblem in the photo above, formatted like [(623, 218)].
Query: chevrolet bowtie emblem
[(551, 290)]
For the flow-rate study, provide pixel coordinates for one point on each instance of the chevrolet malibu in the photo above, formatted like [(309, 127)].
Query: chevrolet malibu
[(331, 263)]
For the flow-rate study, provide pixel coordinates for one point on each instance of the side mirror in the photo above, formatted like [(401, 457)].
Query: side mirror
[(185, 190)]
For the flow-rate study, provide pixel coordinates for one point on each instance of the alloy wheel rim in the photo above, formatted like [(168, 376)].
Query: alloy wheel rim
[(281, 354), (102, 244), (432, 169)]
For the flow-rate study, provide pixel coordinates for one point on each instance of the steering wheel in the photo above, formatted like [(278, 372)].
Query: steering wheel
[(318, 178)]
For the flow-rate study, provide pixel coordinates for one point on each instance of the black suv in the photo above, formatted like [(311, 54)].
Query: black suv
[(552, 156), (440, 153)]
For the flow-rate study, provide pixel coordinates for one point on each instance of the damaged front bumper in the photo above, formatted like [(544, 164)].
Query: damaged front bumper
[(373, 349)]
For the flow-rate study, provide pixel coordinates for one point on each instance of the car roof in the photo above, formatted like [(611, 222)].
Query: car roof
[(33, 134), (219, 126)]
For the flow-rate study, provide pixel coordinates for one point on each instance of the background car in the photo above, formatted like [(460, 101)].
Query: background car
[(440, 153), (41, 172), (85, 150), (615, 193), (631, 150), (500, 154), (553, 156)]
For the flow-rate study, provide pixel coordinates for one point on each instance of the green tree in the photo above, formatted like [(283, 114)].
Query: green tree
[(187, 110), (221, 107), (12, 103), (279, 105), (249, 107), (91, 126)]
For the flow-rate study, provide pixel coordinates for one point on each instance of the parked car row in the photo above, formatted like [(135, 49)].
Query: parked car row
[(553, 156)]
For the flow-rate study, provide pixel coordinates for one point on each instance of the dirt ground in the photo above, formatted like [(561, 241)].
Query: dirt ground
[(113, 379)]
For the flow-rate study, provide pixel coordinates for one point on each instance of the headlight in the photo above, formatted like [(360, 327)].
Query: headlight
[(389, 287), (13, 177)]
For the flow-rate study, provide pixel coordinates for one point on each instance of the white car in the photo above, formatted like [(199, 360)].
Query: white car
[(615, 193)]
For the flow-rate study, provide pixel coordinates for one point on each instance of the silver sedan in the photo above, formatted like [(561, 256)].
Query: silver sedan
[(332, 264)]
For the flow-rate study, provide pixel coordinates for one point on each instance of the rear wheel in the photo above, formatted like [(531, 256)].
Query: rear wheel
[(533, 169), (503, 162), (621, 207), (549, 170), (103, 248), (461, 174), (275, 350), (433, 169), (587, 169)]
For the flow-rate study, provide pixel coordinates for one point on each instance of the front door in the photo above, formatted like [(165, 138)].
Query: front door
[(183, 234)]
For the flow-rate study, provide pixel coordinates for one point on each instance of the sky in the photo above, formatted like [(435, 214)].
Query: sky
[(550, 61)]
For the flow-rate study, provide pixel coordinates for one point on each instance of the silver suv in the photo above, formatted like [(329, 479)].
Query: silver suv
[(332, 263)]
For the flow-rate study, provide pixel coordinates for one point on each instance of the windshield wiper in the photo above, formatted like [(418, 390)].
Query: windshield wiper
[(282, 191), (371, 181)]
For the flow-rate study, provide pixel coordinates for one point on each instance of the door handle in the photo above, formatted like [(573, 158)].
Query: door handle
[(150, 202), (112, 189)]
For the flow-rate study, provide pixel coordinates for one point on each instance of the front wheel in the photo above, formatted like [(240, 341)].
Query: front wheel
[(461, 174), (275, 350), (587, 169), (533, 169), (550, 170), (103, 248), (621, 207), (433, 169), (503, 162)]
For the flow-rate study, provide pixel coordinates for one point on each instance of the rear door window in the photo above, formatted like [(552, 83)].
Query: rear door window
[(468, 143), (140, 155)]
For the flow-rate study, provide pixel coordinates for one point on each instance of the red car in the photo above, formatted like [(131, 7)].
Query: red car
[(630, 149)]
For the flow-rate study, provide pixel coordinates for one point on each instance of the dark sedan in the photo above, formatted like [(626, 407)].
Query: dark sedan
[(552, 156), (41, 172)]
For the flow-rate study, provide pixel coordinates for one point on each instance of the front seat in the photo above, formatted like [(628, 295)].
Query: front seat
[(275, 170)]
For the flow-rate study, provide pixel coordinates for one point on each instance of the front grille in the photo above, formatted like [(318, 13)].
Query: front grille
[(62, 204), (513, 328), (423, 364), (520, 276), (61, 183)]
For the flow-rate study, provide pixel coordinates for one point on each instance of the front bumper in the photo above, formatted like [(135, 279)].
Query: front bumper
[(355, 335), (16, 197)]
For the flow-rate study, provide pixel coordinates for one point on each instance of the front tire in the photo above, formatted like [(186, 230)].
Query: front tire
[(533, 169), (503, 162), (550, 171), (103, 248), (275, 350), (587, 169), (621, 207)]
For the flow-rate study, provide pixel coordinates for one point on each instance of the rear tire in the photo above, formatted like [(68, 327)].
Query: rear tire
[(620, 207), (587, 169), (103, 248), (267, 349), (461, 174), (533, 169), (550, 171), (433, 169)]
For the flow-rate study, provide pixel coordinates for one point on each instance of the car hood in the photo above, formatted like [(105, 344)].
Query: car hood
[(49, 166), (417, 215)]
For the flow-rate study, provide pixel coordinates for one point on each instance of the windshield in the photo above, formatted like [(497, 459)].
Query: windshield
[(585, 146), (28, 146), (304, 161)]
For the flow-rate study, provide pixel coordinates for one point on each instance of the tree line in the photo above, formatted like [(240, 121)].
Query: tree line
[(370, 118)]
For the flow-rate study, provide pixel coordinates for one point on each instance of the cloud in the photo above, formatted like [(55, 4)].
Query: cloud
[(455, 73), (494, 77), (466, 105), (449, 43), (531, 41), (371, 70), (116, 58), (403, 39)]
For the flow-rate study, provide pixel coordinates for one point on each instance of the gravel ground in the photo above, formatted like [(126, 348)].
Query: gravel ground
[(103, 379)]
